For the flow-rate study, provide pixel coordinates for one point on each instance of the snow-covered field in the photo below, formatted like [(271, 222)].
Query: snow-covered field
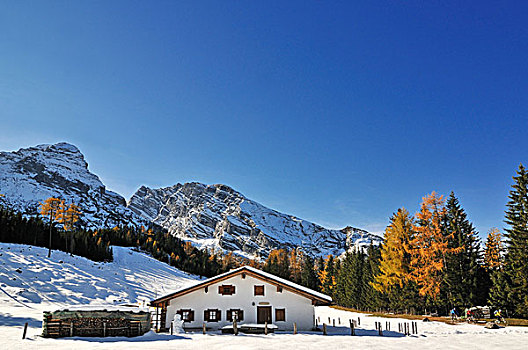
[(30, 283)]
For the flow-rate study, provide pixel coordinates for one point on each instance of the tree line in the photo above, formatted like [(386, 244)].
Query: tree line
[(432, 261), (56, 228)]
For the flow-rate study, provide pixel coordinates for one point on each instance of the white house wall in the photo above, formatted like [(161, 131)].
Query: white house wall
[(298, 308)]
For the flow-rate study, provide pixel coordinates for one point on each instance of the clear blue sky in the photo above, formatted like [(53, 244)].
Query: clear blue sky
[(336, 112)]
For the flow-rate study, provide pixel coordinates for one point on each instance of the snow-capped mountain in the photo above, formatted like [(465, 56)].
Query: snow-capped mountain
[(217, 216), (211, 216), (30, 175)]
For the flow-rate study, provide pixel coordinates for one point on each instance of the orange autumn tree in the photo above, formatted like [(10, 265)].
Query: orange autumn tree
[(296, 260), (492, 253), (68, 215), (430, 246), (51, 208)]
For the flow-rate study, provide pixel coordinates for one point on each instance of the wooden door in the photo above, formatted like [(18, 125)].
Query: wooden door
[(263, 314)]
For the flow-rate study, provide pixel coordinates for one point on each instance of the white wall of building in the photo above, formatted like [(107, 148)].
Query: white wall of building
[(298, 308)]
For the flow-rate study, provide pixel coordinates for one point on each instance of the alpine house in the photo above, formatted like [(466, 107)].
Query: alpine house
[(246, 294)]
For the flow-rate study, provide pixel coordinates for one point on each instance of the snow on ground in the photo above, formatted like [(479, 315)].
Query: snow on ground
[(49, 284)]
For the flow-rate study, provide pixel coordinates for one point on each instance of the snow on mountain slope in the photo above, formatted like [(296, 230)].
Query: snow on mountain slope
[(28, 277), (30, 175), (217, 216), (30, 283), (212, 216)]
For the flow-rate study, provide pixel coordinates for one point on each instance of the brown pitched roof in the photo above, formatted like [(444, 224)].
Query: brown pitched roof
[(316, 297)]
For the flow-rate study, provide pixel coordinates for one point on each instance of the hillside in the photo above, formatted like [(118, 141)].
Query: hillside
[(219, 217), (28, 277)]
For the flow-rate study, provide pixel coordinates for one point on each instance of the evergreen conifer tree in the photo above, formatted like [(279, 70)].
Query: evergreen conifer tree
[(462, 266), (516, 258)]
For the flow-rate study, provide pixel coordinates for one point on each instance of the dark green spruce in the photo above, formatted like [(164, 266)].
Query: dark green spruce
[(462, 282), (516, 258)]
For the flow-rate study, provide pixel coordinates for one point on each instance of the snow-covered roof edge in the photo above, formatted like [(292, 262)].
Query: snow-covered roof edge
[(258, 272)]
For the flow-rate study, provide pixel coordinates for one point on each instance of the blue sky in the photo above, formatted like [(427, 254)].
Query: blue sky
[(338, 112)]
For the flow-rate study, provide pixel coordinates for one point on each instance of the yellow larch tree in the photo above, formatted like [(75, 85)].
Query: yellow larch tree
[(492, 253), (430, 246), (395, 253), (52, 208)]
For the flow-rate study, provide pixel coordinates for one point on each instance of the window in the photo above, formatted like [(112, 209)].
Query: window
[(280, 314), (187, 315), (279, 289), (259, 290), (235, 313), (226, 290), (212, 315)]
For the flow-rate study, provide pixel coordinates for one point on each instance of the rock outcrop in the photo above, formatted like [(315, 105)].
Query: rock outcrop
[(218, 217), (30, 175)]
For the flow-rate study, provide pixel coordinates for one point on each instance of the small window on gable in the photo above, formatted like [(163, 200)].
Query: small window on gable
[(279, 289), (187, 315), (226, 290), (258, 290), (280, 314), (212, 315)]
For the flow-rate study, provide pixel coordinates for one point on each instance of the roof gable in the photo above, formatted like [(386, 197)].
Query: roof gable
[(316, 297)]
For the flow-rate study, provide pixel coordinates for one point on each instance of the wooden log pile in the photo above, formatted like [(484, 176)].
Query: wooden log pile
[(95, 324)]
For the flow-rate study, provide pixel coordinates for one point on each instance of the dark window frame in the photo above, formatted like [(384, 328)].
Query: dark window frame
[(278, 316), (257, 288), (240, 315), (190, 315), (207, 315), (226, 289)]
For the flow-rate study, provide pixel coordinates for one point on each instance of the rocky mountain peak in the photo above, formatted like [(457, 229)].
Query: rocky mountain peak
[(218, 217), (30, 175)]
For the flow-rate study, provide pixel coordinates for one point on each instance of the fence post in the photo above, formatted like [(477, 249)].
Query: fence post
[(25, 331), (294, 327), (333, 322), (352, 331), (203, 328), (324, 328), (339, 320), (172, 323), (359, 322), (71, 329), (235, 328), (266, 328), (104, 329)]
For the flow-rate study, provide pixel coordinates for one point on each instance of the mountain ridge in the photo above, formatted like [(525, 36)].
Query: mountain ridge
[(210, 216), (219, 217)]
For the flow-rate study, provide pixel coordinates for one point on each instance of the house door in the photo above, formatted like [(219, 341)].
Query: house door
[(263, 314)]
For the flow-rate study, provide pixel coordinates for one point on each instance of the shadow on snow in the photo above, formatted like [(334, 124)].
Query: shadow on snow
[(9, 320), (148, 337)]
